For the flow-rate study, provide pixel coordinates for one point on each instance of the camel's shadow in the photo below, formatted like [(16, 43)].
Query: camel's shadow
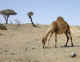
[(48, 47), (70, 46)]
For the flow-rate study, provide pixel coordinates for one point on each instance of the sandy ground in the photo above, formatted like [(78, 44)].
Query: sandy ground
[(23, 44)]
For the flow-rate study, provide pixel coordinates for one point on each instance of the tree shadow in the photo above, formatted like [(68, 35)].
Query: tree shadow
[(1, 34), (36, 26)]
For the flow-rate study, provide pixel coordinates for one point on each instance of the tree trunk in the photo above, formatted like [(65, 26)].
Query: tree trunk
[(6, 18), (32, 21)]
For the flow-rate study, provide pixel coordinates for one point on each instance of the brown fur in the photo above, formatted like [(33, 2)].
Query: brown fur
[(58, 27)]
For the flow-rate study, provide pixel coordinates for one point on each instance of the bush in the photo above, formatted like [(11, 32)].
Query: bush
[(2, 27)]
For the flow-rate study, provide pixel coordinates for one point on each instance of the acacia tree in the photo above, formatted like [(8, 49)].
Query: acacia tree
[(30, 14), (6, 14)]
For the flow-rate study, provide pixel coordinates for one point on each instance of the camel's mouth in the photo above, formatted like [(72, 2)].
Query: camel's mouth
[(43, 42)]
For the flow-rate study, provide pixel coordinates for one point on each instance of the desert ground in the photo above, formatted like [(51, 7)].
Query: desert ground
[(22, 43)]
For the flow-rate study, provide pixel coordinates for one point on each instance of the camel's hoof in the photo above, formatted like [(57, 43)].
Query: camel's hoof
[(72, 45), (56, 47), (43, 47), (65, 45)]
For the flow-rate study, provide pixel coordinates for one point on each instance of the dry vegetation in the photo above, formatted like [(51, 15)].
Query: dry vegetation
[(23, 44)]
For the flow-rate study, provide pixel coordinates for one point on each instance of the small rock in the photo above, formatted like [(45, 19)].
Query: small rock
[(73, 55)]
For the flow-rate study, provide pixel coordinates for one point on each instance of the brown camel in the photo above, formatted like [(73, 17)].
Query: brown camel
[(58, 27)]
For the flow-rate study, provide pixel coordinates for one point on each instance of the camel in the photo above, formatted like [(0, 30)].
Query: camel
[(60, 26)]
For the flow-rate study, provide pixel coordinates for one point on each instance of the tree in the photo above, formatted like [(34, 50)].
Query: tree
[(30, 14), (6, 14)]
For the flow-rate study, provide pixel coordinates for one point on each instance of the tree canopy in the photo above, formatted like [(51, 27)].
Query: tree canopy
[(30, 13), (8, 12)]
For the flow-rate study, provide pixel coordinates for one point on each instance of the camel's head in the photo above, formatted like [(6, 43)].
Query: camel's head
[(43, 42)]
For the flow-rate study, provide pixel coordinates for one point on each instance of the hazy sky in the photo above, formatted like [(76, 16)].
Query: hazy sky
[(45, 11)]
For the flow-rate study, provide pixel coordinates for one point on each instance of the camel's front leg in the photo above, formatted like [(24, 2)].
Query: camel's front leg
[(55, 40), (50, 37)]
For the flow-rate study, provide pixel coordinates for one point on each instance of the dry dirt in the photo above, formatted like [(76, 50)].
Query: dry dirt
[(23, 44)]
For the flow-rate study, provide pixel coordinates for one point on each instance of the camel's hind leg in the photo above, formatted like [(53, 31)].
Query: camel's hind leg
[(68, 36), (70, 39), (66, 33)]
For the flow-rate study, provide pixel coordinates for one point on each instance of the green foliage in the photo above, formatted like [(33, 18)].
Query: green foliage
[(8, 12), (30, 13)]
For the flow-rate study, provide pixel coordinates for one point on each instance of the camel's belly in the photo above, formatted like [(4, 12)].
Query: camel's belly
[(61, 30)]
